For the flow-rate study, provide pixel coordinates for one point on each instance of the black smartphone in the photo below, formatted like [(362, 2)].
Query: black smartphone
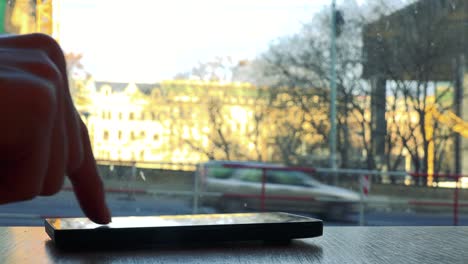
[(76, 233)]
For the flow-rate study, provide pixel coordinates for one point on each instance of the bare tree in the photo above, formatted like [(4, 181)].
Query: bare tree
[(300, 65), (217, 69), (224, 138), (412, 47)]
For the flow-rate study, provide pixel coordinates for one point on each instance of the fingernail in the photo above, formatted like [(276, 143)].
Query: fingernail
[(107, 216), (104, 218)]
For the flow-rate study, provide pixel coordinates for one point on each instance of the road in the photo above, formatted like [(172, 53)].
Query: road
[(30, 213)]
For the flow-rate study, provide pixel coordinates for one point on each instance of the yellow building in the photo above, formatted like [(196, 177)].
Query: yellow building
[(171, 123), (28, 16)]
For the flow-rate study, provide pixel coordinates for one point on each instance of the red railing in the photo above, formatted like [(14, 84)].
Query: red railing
[(455, 203)]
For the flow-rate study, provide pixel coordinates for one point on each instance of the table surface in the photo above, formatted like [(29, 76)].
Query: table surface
[(337, 245)]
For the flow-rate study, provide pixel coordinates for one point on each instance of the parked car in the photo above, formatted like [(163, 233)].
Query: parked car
[(238, 186)]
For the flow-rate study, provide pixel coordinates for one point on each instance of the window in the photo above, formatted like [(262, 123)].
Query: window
[(249, 175), (219, 172), (289, 178), (258, 92)]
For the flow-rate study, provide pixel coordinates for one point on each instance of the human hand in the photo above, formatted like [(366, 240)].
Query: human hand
[(42, 137)]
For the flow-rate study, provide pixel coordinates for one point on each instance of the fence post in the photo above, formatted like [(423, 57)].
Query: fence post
[(263, 189), (364, 191), (455, 201), (132, 181), (195, 193)]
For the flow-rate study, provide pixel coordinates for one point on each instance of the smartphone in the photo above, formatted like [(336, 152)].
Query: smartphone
[(76, 233)]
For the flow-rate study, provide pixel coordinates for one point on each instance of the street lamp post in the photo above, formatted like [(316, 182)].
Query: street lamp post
[(332, 135)]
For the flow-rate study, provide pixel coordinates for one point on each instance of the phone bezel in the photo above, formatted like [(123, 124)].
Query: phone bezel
[(103, 237)]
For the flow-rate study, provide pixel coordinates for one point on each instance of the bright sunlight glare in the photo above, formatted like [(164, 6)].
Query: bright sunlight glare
[(148, 41)]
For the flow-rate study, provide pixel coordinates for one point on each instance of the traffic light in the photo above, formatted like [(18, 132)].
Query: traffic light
[(339, 22)]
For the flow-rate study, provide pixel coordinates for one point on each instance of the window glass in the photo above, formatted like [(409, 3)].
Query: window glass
[(360, 103), (287, 177), (220, 172), (249, 175)]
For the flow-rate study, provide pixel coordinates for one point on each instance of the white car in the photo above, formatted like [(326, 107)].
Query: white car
[(239, 186)]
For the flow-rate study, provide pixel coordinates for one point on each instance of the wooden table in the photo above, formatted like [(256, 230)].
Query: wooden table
[(338, 245)]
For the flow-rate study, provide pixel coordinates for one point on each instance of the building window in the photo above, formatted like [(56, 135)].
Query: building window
[(106, 135), (131, 116), (107, 90), (142, 134), (155, 137), (142, 155), (120, 116), (132, 135), (120, 135)]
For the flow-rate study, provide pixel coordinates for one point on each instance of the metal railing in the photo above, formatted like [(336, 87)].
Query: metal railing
[(351, 178)]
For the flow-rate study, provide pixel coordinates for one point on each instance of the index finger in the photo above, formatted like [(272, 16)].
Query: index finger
[(88, 185)]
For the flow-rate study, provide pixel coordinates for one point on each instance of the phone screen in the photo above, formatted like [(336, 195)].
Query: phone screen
[(178, 220)]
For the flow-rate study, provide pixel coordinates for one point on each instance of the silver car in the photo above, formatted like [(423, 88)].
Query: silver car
[(238, 186)]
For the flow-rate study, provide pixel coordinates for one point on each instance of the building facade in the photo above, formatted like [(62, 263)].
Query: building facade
[(173, 122)]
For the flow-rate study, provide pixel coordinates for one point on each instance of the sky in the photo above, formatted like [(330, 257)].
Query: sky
[(153, 40)]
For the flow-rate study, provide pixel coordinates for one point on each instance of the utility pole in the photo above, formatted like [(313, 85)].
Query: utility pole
[(458, 105), (332, 136)]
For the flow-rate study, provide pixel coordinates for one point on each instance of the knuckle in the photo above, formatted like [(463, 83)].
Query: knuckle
[(45, 41), (46, 69), (34, 99), (50, 46)]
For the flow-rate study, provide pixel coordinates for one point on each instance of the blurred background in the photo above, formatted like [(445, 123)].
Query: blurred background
[(351, 111)]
